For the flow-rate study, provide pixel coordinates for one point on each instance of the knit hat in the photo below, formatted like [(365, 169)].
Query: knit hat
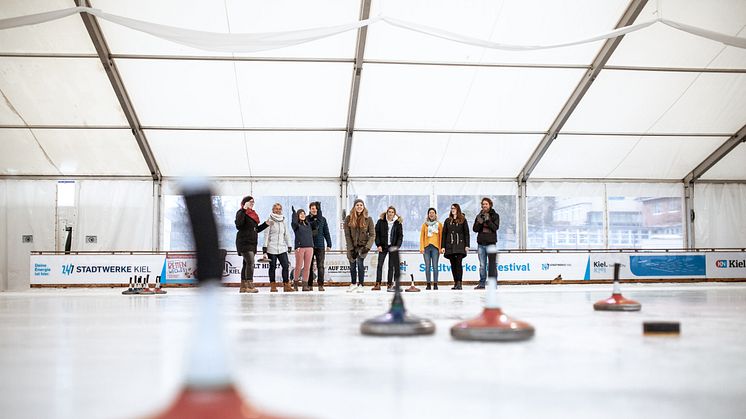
[(358, 200)]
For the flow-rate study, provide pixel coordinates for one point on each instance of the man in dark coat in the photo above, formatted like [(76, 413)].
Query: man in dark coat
[(486, 225), (320, 230)]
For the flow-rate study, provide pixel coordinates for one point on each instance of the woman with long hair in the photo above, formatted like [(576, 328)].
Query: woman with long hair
[(389, 233), (430, 235), (359, 236), (455, 243), (277, 246), (247, 236)]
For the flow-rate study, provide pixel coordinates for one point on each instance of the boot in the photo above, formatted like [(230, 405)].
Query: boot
[(459, 285), (307, 287), (295, 285), (321, 286), (479, 287), (435, 286), (456, 285), (244, 286), (310, 284), (428, 286), (273, 287), (376, 287), (250, 287), (286, 287)]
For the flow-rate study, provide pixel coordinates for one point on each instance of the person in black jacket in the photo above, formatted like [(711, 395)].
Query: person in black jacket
[(320, 230), (247, 224), (455, 243), (389, 233), (486, 225)]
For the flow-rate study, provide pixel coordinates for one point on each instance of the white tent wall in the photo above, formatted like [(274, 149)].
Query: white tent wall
[(118, 212), (30, 210), (3, 238), (719, 215)]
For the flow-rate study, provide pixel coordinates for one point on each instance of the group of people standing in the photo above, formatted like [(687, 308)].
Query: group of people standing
[(312, 239), (311, 236)]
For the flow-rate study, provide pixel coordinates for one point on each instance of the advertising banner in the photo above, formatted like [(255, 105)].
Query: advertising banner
[(180, 268), (94, 269)]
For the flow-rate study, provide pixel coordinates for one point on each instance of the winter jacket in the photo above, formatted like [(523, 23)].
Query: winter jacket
[(303, 233), (248, 232), (320, 229), (434, 239), (455, 238), (359, 240), (277, 237), (382, 232), (486, 226)]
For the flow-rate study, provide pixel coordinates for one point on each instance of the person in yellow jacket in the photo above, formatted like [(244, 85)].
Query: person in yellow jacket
[(430, 234)]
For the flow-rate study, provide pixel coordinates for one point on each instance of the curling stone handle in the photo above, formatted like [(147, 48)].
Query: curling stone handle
[(204, 229)]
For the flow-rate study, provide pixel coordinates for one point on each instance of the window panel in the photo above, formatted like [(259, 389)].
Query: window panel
[(412, 209)]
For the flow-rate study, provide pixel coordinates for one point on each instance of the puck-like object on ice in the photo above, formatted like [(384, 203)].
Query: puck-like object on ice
[(492, 325), (661, 328), (617, 302), (397, 322)]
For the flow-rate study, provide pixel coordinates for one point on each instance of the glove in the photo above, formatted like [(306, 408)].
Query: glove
[(264, 250), (290, 249)]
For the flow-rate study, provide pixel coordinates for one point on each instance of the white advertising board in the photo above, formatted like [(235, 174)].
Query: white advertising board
[(180, 268)]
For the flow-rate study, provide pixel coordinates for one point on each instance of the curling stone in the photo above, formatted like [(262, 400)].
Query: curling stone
[(492, 324), (397, 322), (617, 302)]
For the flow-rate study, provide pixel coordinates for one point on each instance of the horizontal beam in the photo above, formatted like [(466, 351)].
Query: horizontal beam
[(374, 61), (374, 130)]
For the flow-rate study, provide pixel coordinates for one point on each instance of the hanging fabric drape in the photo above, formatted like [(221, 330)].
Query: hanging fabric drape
[(265, 41)]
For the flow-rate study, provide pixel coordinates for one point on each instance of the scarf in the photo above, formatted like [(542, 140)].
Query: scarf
[(432, 227), (277, 218), (252, 214)]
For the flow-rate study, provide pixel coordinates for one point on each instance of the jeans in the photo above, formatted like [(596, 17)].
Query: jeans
[(379, 269), (431, 254), (484, 259), (247, 268), (357, 270), (283, 258), (319, 255)]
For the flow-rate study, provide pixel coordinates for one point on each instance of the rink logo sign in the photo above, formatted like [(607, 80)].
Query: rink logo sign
[(733, 263), (67, 269), (544, 266)]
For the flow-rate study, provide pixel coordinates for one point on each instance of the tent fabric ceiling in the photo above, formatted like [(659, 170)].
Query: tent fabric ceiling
[(271, 113)]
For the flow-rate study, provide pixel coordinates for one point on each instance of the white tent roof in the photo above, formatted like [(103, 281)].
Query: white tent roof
[(426, 107)]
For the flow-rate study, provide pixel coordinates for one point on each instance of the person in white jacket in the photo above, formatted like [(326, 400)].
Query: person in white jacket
[(277, 245)]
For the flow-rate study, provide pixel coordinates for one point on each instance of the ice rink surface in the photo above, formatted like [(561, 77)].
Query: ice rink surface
[(94, 353)]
